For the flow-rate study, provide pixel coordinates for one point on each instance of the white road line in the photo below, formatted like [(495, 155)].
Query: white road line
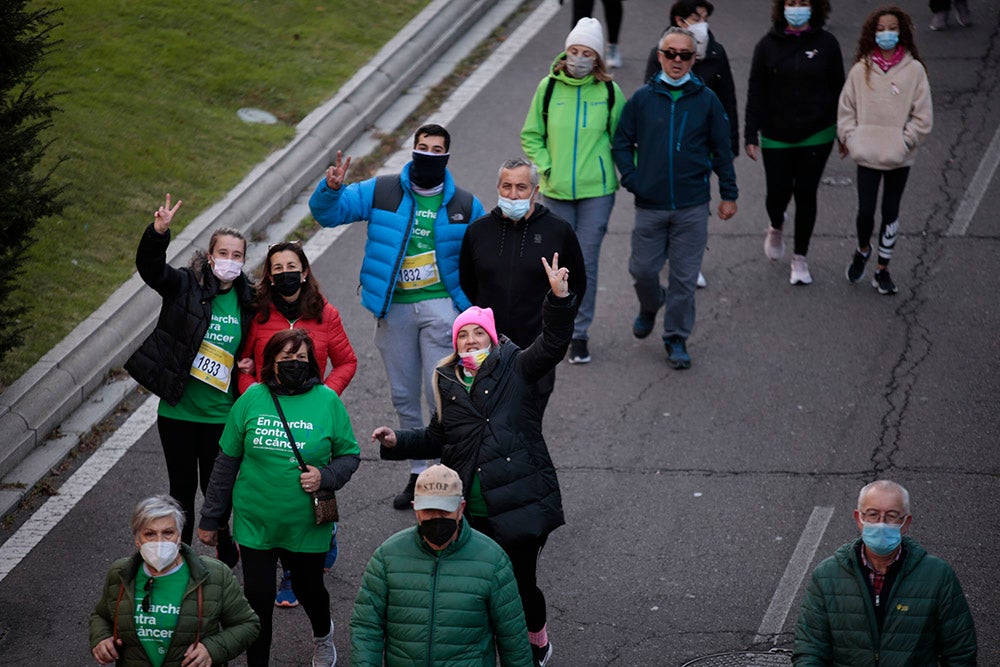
[(76, 487), (795, 572), (977, 188)]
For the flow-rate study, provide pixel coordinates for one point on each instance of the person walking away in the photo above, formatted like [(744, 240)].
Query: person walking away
[(941, 10)]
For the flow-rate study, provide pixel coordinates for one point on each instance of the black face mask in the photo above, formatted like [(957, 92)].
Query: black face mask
[(293, 373), (438, 531), (287, 283), (427, 171)]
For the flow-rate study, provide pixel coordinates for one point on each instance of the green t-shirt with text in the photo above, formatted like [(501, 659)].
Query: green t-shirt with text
[(204, 399), (155, 628), (270, 509), (419, 278)]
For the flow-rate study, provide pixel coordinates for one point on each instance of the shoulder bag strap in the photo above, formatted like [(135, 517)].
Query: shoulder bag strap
[(288, 431)]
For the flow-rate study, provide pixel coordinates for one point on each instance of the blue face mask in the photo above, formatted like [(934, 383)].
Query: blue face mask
[(887, 39), (675, 82), (798, 16), (515, 209), (882, 538)]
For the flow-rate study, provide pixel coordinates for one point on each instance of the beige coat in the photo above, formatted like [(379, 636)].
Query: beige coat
[(882, 121)]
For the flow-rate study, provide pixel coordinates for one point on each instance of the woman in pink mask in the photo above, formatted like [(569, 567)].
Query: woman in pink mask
[(488, 429)]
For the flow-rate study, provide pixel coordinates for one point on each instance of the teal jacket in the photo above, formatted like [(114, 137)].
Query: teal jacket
[(417, 606), (927, 620), (225, 624), (573, 150)]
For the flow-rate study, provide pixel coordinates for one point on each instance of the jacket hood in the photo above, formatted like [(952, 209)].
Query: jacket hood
[(198, 571), (566, 78), (691, 86)]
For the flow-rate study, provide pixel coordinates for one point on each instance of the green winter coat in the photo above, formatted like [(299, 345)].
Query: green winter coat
[(573, 150), (927, 620), (227, 623), (417, 606)]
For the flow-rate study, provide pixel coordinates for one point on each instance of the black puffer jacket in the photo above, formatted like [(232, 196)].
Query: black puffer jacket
[(162, 364), (795, 83), (495, 430)]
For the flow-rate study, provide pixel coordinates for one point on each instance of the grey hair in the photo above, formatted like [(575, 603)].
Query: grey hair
[(674, 30), (885, 485), (153, 508), (517, 163)]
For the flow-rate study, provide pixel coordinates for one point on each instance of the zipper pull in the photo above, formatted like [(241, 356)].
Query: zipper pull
[(877, 596)]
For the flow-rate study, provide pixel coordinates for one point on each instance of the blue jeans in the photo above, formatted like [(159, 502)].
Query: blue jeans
[(412, 338), (589, 219), (679, 236)]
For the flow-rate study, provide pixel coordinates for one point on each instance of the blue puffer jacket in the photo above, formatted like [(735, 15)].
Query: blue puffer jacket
[(389, 233), (927, 620), (666, 149)]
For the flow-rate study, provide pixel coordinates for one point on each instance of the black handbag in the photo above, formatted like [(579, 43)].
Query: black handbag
[(324, 502)]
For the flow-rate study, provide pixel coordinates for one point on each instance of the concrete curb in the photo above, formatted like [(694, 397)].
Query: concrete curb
[(60, 382)]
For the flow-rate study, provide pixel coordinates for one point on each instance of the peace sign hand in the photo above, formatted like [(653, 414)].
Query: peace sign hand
[(164, 215), (558, 278), (337, 172)]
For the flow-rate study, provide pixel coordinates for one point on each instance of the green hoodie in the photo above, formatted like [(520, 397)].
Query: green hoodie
[(573, 153)]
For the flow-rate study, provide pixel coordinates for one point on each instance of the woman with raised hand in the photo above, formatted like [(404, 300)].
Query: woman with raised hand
[(189, 359)]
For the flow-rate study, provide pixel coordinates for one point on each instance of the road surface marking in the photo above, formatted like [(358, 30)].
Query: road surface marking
[(977, 188), (795, 572)]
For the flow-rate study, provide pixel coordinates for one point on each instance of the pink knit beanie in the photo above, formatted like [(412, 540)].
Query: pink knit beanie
[(475, 315)]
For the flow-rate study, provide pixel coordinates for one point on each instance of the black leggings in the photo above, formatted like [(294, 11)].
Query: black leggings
[(892, 194), (524, 559), (794, 171), (259, 588), (189, 449), (612, 13), (940, 5)]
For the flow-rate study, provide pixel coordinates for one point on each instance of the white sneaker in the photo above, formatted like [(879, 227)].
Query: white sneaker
[(774, 244), (324, 653), (701, 280), (614, 58), (800, 271)]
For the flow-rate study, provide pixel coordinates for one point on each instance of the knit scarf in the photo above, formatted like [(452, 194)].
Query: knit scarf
[(894, 59)]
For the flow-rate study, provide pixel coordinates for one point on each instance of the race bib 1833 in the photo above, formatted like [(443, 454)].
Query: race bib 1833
[(213, 366)]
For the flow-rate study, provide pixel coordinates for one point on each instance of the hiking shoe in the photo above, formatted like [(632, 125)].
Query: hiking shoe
[(614, 56), (702, 283), (404, 499), (677, 353), (226, 550), (643, 324), (324, 653), (856, 269), (578, 352), (800, 271), (541, 654), (939, 21), (962, 12), (331, 555), (883, 283), (285, 596), (774, 245)]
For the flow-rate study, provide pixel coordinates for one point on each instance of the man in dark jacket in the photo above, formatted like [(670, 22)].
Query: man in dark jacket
[(440, 592), (672, 134), (882, 599), (498, 264)]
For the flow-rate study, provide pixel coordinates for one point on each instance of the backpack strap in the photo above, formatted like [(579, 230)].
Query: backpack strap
[(388, 193), (611, 102), (460, 207)]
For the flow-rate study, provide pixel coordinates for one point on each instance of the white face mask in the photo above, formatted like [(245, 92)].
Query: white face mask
[(579, 66), (700, 31), (159, 555), (226, 270)]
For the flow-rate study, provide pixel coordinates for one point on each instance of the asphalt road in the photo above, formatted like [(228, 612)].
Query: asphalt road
[(686, 493)]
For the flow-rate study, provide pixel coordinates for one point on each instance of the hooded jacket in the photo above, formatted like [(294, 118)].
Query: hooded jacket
[(665, 149), (884, 117), (573, 150), (417, 606), (495, 430), (795, 81), (162, 364), (389, 234), (225, 623), (499, 267), (927, 619)]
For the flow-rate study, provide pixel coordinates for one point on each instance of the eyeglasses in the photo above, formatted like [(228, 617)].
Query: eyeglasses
[(148, 595), (874, 516), (673, 55)]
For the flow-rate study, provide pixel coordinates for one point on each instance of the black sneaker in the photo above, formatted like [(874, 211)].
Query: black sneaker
[(856, 270), (226, 549), (883, 283), (677, 353), (578, 352), (643, 324), (404, 499), (541, 654)]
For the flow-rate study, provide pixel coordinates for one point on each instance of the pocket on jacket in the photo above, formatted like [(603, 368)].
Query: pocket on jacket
[(878, 146)]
